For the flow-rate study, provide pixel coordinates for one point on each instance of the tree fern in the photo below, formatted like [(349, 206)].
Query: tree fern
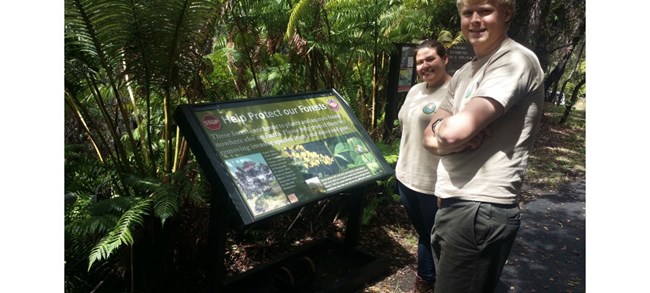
[(98, 28)]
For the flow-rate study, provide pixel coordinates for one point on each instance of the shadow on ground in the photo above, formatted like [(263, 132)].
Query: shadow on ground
[(549, 253), (385, 238)]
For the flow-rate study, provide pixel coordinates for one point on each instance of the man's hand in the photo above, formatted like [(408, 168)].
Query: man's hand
[(475, 142)]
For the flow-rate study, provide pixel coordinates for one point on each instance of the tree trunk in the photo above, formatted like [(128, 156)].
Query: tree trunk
[(554, 77), (249, 51), (527, 27), (390, 109), (572, 101), (575, 68)]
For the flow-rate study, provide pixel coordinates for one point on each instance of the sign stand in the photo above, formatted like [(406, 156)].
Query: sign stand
[(353, 226), (217, 232)]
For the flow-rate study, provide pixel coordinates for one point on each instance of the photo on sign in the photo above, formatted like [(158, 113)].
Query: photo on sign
[(257, 183), (315, 185), (312, 159), (324, 158), (351, 152), (405, 77)]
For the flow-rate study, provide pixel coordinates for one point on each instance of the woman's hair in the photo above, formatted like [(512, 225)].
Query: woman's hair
[(506, 3), (433, 44)]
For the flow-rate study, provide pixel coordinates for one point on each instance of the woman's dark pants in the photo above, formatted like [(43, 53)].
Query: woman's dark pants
[(421, 209)]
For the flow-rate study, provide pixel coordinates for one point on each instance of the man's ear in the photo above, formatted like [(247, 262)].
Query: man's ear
[(508, 15)]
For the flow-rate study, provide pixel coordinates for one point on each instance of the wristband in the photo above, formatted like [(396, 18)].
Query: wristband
[(434, 124)]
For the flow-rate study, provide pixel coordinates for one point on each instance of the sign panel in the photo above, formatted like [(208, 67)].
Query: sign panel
[(277, 153), (406, 69)]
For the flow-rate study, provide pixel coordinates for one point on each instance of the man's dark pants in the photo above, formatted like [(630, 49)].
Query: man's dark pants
[(471, 242)]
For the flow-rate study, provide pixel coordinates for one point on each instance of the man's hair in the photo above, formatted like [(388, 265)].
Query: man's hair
[(505, 3), (433, 44)]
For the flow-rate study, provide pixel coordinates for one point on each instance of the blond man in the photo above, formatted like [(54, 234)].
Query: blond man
[(483, 132)]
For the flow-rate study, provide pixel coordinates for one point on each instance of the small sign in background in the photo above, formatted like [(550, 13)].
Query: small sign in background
[(459, 54)]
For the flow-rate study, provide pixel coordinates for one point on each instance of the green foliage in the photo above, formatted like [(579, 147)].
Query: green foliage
[(84, 174), (448, 40), (389, 151), (391, 154), (336, 44), (167, 205), (443, 15), (370, 209), (127, 65)]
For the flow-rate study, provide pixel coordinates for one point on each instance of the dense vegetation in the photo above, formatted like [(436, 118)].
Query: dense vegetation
[(135, 198)]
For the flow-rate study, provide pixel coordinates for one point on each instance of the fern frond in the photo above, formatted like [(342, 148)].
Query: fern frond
[(121, 234), (167, 205), (97, 29), (147, 185), (116, 204), (298, 12), (92, 225)]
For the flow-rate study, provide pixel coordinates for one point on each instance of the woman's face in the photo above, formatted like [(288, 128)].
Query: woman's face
[(430, 67)]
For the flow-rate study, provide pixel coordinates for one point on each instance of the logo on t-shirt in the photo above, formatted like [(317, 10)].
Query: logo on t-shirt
[(429, 108)]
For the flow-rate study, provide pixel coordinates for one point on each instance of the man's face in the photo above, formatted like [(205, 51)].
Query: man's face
[(430, 66), (484, 25)]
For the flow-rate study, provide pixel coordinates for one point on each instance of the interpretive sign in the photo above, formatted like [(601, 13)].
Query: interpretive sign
[(277, 153)]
